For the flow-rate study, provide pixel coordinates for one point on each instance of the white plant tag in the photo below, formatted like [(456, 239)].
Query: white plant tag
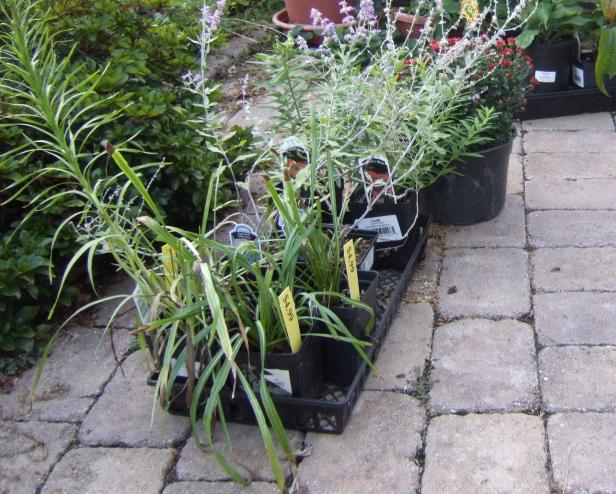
[(243, 233), (183, 372), (376, 175), (387, 227), (578, 75), (368, 261), (279, 378), (545, 76)]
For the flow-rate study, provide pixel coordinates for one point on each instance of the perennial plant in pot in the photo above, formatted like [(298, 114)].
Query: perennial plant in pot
[(476, 189), (549, 36)]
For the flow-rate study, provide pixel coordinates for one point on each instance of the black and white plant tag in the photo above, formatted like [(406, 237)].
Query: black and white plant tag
[(280, 380), (546, 76), (241, 234), (376, 176), (387, 227)]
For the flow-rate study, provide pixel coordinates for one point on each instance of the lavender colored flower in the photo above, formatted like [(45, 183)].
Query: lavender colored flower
[(366, 12), (301, 43)]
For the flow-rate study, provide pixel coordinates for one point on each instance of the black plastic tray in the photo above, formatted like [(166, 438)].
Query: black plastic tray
[(331, 412), (570, 102)]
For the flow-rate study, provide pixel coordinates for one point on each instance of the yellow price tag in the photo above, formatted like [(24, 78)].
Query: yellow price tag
[(169, 265), (291, 324), (351, 268)]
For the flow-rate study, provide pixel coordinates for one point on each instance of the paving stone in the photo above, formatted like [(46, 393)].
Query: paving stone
[(506, 230), (480, 365), (248, 451), (485, 454), (80, 364), (589, 141), (568, 194), (424, 282), (570, 268), (578, 378), (583, 452), (575, 318), (374, 455), (120, 285), (585, 121), (484, 282), (220, 488), (572, 228), (515, 175), (28, 450), (122, 415), (110, 471), (518, 146), (407, 347), (569, 166), (259, 115)]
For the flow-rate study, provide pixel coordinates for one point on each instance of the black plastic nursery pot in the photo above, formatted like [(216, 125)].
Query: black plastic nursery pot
[(583, 75), (365, 257), (475, 191), (552, 63), (341, 359), (391, 220), (297, 374)]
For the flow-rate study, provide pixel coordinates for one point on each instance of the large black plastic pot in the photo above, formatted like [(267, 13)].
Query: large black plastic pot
[(341, 359), (583, 75), (552, 63), (475, 192)]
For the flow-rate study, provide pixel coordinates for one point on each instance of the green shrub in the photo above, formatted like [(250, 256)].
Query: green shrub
[(144, 48)]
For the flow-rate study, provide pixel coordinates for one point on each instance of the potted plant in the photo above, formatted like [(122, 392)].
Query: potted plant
[(549, 37), (473, 188), (606, 61)]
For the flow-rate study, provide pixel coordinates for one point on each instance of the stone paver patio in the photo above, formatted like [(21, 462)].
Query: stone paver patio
[(498, 375)]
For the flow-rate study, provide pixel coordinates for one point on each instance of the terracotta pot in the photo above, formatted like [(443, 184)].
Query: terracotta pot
[(409, 25), (299, 10), (281, 20)]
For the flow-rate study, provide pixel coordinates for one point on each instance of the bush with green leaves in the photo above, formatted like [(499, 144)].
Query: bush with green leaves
[(145, 48), (142, 49)]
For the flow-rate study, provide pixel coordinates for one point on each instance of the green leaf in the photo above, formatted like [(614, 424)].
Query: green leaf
[(606, 59)]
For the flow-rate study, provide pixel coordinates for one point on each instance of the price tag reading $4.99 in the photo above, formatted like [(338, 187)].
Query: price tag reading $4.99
[(351, 268), (291, 324)]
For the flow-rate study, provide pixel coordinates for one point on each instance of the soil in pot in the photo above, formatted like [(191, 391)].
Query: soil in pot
[(475, 192), (552, 61)]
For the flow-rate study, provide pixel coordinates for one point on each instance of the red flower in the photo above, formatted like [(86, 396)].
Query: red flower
[(490, 66), (505, 63), (511, 41), (508, 52), (435, 45), (534, 81), (528, 59), (452, 41), (406, 61), (500, 43)]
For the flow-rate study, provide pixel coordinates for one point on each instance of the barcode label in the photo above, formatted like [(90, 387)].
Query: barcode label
[(387, 227)]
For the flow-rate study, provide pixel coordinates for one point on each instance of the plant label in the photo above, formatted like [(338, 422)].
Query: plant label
[(387, 227), (280, 379), (291, 324), (578, 75), (242, 234), (350, 262), (545, 75), (368, 261), (376, 176)]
